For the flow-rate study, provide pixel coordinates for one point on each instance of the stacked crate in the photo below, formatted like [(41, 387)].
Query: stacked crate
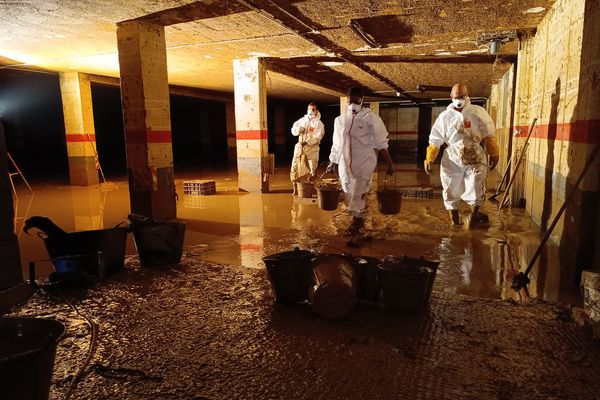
[(417, 192), (199, 187)]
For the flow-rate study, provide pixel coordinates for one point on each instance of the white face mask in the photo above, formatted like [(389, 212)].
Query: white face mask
[(311, 113), (354, 108), (460, 103)]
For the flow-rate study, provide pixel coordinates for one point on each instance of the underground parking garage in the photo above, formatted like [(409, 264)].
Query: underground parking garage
[(196, 204)]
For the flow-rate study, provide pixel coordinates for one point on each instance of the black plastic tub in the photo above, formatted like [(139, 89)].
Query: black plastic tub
[(159, 243), (86, 245), (368, 277), (27, 353), (290, 274)]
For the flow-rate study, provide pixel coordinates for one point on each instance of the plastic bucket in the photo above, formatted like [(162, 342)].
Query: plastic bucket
[(389, 201), (305, 189), (290, 275), (86, 245), (27, 353), (406, 284), (590, 288), (159, 243), (368, 277), (328, 198), (336, 283)]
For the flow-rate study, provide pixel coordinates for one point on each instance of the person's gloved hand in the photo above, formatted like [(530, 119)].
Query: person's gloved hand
[(432, 153), (390, 169), (491, 147), (331, 168), (304, 143), (428, 167), (301, 130)]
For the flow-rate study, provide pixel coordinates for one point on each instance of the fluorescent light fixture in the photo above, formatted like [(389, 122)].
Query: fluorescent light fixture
[(332, 63), (534, 10)]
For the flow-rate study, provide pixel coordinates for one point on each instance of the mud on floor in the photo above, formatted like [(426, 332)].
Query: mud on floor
[(210, 331)]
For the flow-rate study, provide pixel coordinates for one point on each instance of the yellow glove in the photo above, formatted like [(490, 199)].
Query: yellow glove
[(432, 153), (491, 147)]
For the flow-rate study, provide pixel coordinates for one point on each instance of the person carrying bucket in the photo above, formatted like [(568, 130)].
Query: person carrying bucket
[(310, 131), (358, 135)]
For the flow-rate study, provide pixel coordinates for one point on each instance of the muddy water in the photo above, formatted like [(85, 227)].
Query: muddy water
[(240, 228)]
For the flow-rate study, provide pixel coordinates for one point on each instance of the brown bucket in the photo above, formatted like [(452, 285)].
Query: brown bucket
[(389, 201), (305, 189), (336, 283), (329, 197)]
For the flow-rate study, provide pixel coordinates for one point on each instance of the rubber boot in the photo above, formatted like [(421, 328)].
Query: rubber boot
[(356, 226), (454, 218), (477, 218)]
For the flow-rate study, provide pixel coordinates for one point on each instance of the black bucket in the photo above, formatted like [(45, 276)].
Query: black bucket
[(159, 243), (336, 284), (406, 283), (85, 245), (389, 201), (27, 353), (290, 274), (368, 277)]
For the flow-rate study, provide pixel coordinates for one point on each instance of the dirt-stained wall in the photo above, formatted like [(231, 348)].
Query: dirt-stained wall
[(558, 82)]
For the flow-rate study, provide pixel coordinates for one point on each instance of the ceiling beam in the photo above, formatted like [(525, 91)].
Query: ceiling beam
[(289, 18), (307, 80), (193, 12), (393, 59)]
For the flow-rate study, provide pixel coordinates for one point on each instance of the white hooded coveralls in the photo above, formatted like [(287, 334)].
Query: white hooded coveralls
[(357, 138), (314, 131), (464, 164)]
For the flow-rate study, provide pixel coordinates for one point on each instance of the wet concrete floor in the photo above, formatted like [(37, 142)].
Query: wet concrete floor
[(208, 328), (240, 228)]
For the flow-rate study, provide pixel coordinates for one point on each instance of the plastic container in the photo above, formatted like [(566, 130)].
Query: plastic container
[(368, 277), (305, 189), (336, 284), (27, 353), (290, 275), (328, 197), (590, 289), (389, 201), (158, 243), (406, 283), (85, 245)]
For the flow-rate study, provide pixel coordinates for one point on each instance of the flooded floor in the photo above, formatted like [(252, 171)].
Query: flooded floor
[(238, 229), (208, 328)]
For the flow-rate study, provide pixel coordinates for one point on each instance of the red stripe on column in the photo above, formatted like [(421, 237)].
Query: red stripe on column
[(147, 136), (407, 133), (78, 137), (251, 247), (587, 131), (158, 136), (252, 135)]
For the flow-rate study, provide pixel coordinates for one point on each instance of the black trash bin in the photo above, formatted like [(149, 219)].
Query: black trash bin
[(406, 283), (27, 353), (158, 242), (368, 277), (290, 274)]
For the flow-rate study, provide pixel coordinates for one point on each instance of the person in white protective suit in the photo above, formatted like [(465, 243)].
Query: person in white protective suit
[(358, 135), (310, 131), (463, 126)]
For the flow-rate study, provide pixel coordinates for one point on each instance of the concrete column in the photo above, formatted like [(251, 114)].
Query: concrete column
[(88, 208), (343, 104), (281, 132), (76, 92), (230, 127), (147, 121), (10, 260), (251, 124)]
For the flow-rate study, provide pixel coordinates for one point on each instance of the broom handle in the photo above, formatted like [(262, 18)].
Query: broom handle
[(517, 165), (589, 162)]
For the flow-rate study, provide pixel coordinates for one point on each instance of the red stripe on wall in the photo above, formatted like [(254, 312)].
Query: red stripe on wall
[(252, 135), (78, 138), (577, 132)]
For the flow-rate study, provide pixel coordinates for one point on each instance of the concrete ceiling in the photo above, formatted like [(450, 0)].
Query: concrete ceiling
[(296, 36)]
